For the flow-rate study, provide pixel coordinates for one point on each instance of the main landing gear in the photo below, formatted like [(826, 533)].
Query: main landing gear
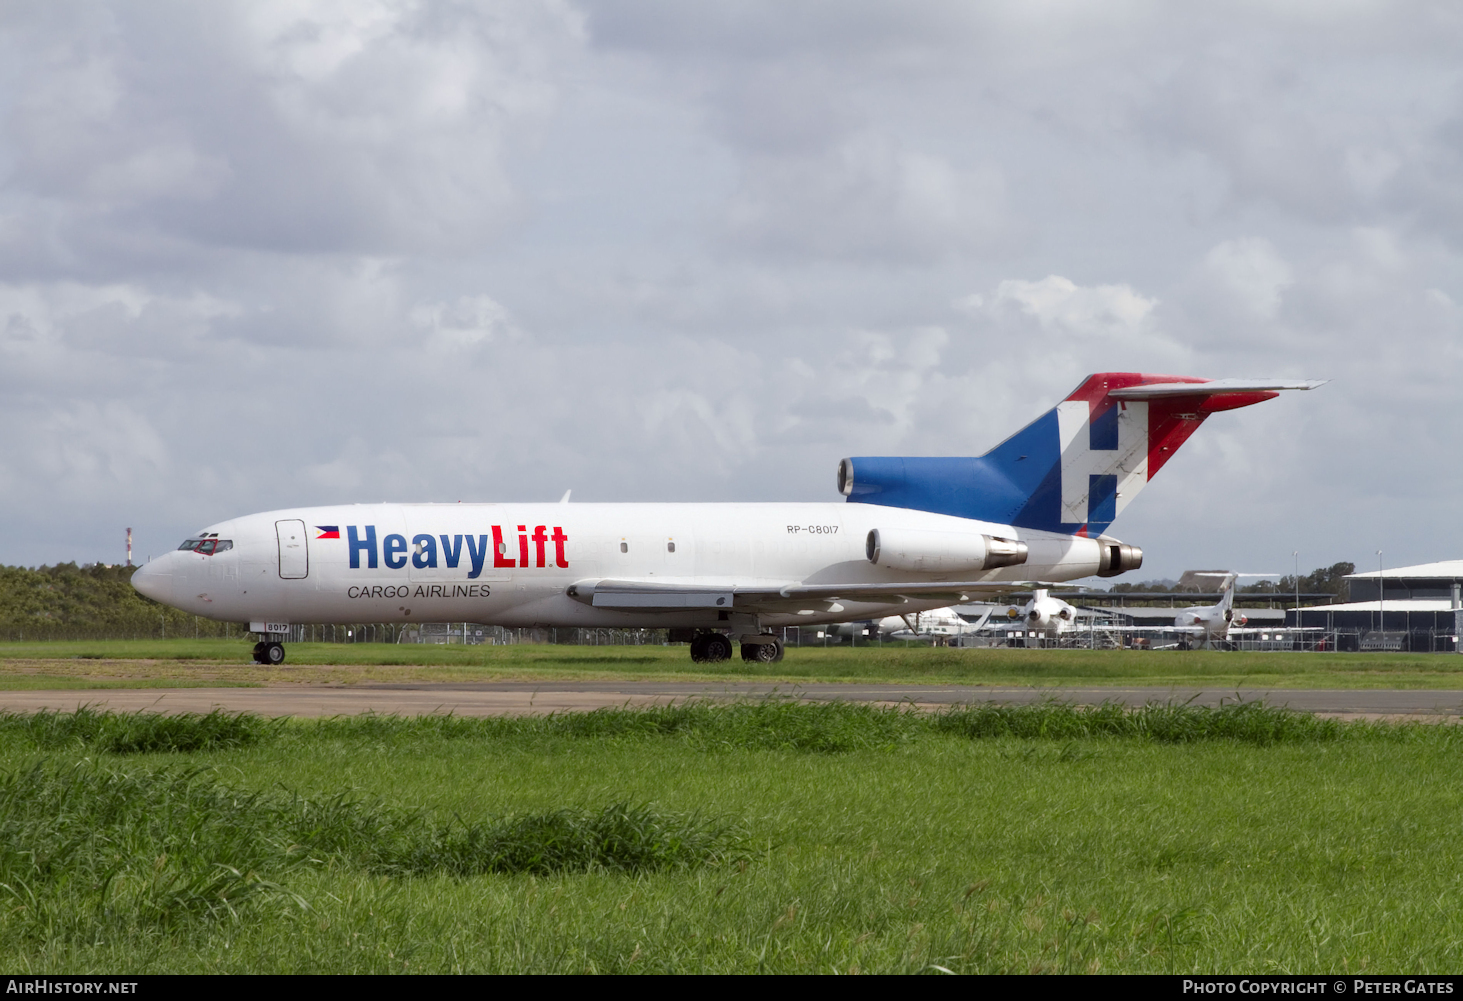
[(710, 648), (769, 652), (269, 653), (713, 648)]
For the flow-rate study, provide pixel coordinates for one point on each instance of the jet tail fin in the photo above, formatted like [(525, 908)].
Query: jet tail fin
[(1073, 469)]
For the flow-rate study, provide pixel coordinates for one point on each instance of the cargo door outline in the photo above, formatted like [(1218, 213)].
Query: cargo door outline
[(294, 553)]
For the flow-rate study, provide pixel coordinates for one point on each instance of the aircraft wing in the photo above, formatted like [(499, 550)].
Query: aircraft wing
[(661, 596)]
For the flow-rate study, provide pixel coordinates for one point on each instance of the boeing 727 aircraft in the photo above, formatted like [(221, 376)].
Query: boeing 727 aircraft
[(913, 534)]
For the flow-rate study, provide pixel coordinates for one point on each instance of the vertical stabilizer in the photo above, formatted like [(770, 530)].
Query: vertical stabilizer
[(1073, 469)]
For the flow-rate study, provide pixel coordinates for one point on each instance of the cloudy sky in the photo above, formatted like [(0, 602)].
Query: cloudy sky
[(264, 254)]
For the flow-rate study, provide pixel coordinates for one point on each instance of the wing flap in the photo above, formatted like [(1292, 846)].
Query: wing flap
[(643, 595)]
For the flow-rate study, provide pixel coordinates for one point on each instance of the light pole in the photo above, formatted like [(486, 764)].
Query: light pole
[(1296, 556), (1381, 596)]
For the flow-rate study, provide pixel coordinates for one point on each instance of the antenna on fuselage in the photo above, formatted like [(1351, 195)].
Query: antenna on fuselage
[(565, 498)]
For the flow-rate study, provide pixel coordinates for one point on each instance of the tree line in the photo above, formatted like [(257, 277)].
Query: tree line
[(67, 601), (1322, 580)]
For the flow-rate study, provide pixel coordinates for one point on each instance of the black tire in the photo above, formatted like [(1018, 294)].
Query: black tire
[(259, 652), (698, 649), (274, 653), (762, 653), (717, 648)]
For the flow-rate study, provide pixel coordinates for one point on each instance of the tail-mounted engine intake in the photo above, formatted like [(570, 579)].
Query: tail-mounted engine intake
[(1117, 557), (941, 552)]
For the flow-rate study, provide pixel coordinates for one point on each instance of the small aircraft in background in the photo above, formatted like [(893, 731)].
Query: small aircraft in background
[(1043, 614), (1205, 625), (941, 626)]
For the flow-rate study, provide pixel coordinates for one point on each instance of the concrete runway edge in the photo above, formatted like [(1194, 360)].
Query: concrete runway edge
[(504, 698)]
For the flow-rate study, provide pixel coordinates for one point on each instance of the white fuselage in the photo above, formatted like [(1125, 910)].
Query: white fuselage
[(443, 562)]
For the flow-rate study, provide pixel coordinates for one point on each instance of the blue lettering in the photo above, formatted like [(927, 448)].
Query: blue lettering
[(393, 551), (452, 551), (356, 545), (477, 553), (427, 557)]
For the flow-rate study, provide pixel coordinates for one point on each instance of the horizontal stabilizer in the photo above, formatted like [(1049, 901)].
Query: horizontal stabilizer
[(1213, 387)]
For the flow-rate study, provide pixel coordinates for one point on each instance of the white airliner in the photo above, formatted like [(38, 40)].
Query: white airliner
[(913, 534)]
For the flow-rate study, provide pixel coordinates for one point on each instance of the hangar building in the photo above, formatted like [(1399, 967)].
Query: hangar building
[(1413, 608)]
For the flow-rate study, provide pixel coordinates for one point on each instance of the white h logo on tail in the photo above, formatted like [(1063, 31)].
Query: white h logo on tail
[(1121, 452)]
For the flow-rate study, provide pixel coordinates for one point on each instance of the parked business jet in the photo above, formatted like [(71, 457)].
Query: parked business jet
[(1210, 624), (914, 534)]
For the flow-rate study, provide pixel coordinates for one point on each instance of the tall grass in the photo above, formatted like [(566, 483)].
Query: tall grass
[(1243, 722), (85, 847), (133, 733), (767, 724), (834, 727), (979, 839)]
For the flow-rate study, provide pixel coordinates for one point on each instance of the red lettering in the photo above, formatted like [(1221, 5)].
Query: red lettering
[(523, 545), (500, 551), (559, 539), (539, 539)]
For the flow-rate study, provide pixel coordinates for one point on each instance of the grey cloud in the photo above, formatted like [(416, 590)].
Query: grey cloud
[(286, 127)]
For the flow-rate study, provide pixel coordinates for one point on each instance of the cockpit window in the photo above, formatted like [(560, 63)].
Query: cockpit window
[(208, 547)]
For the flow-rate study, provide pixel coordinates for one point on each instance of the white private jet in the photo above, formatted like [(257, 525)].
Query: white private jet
[(914, 534), (1210, 624)]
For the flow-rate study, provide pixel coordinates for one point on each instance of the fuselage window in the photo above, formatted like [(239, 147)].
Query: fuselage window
[(670, 547), (624, 547)]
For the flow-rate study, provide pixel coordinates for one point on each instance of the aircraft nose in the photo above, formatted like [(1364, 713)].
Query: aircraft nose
[(153, 581)]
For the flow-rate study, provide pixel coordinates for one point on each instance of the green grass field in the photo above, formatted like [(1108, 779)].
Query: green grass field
[(220, 661), (780, 837)]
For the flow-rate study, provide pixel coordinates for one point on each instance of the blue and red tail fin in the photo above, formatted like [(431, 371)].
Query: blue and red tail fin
[(1074, 468)]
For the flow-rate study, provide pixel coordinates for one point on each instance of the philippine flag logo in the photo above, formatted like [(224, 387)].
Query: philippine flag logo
[(327, 532)]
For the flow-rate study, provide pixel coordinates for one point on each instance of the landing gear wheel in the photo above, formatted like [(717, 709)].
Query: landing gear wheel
[(259, 652), (274, 653), (762, 653), (710, 648)]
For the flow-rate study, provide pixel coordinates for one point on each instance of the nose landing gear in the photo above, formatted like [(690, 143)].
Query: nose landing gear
[(269, 653)]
